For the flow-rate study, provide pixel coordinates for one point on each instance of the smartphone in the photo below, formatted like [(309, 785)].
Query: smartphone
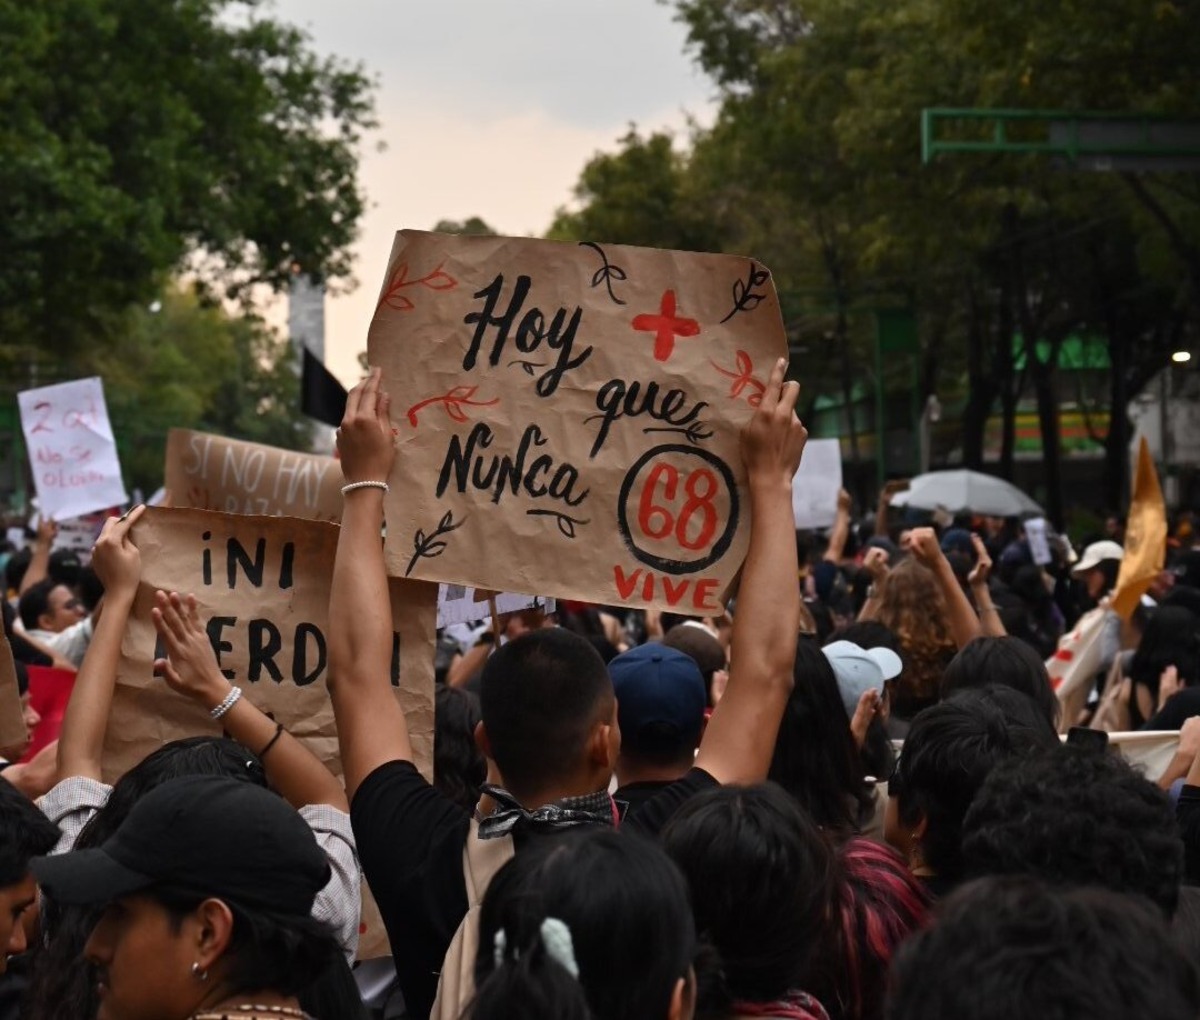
[(1091, 740)]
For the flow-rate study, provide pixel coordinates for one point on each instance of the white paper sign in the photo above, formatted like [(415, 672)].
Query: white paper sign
[(71, 449), (460, 604), (1039, 543), (817, 484)]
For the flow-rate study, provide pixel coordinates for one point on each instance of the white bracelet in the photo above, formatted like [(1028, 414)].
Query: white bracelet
[(231, 699), (365, 485)]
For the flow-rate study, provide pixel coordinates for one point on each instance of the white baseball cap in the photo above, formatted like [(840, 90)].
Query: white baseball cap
[(1097, 553), (860, 669)]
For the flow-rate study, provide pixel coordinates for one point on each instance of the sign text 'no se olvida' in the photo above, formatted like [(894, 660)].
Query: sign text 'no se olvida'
[(568, 415)]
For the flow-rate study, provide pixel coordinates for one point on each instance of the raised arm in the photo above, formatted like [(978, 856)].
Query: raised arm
[(875, 563), (989, 616), (39, 561), (740, 738), (119, 566), (841, 529), (964, 624), (191, 669), (371, 726), (889, 490)]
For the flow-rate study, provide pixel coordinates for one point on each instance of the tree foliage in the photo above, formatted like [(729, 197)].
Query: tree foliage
[(814, 166), (137, 135)]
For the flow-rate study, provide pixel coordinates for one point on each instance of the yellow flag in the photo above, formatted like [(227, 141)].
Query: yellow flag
[(1145, 536)]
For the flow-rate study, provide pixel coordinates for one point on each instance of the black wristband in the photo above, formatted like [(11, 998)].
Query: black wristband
[(271, 743)]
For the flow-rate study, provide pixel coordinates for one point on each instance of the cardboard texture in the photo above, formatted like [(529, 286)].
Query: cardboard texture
[(209, 472), (72, 450), (568, 415), (261, 582), (13, 732)]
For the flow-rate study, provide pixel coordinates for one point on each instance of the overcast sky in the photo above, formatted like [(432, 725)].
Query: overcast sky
[(491, 108)]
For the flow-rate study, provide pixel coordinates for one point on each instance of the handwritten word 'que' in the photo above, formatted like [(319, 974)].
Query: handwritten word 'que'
[(466, 466), (620, 399), (530, 334)]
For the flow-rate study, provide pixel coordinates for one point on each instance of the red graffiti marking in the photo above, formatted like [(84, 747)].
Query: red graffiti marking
[(453, 401), (743, 378), (657, 521), (437, 280), (665, 326)]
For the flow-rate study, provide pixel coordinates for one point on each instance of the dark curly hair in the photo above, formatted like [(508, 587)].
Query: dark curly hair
[(1076, 817), (949, 752), (1014, 947), (459, 767)]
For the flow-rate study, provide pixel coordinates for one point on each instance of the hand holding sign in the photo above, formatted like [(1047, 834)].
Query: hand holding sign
[(773, 440), (190, 666), (116, 559), (365, 441)]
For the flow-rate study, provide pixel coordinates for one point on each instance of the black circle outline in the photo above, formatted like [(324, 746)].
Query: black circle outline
[(720, 547)]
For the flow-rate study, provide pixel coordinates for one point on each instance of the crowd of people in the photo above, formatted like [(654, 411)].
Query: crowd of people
[(847, 797)]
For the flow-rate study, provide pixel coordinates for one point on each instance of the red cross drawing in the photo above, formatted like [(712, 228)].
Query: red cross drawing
[(665, 326)]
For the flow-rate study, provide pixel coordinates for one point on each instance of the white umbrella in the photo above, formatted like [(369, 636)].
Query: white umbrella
[(967, 491)]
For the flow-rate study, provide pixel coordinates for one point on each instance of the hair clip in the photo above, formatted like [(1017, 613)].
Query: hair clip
[(560, 947)]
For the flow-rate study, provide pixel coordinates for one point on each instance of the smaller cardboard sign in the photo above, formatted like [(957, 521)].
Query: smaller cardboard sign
[(71, 448), (209, 472)]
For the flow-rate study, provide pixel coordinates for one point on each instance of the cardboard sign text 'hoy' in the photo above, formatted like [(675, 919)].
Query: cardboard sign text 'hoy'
[(214, 473), (568, 415), (262, 584)]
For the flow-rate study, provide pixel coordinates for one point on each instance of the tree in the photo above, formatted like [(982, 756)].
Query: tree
[(190, 364), (137, 136), (473, 226)]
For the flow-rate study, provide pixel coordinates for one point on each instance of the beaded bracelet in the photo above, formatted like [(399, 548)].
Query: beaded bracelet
[(365, 485), (230, 700)]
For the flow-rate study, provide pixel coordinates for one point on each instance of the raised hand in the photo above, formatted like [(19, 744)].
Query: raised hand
[(875, 563), (190, 667), (773, 440), (115, 558), (978, 577), (365, 441), (922, 543)]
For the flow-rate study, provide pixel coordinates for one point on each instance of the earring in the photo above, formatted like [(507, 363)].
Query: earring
[(198, 974)]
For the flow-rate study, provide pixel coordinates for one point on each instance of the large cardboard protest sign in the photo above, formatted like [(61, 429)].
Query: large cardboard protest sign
[(568, 415), (71, 448), (262, 584), (211, 472)]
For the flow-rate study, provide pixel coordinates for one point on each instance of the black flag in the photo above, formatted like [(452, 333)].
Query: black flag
[(321, 395)]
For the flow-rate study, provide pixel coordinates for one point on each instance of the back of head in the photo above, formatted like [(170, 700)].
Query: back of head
[(14, 569), (1076, 817), (35, 603), (869, 634), (459, 769), (661, 697), (949, 752), (815, 758), (24, 833), (761, 875), (618, 916), (698, 643), (912, 607), (878, 905), (1012, 947), (1002, 662), (190, 756), (1171, 638), (540, 695)]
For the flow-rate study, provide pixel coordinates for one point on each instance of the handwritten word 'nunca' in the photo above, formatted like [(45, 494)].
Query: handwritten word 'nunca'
[(466, 466), (531, 332)]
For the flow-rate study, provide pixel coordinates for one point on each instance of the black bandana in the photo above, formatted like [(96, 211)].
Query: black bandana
[(568, 813)]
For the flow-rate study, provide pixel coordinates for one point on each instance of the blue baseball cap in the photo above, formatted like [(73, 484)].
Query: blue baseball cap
[(661, 699)]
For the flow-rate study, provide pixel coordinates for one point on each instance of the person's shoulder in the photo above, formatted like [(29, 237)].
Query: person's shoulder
[(397, 798), (653, 814)]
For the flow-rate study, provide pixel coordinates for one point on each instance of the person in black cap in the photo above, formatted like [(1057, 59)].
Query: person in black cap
[(208, 886), (660, 708)]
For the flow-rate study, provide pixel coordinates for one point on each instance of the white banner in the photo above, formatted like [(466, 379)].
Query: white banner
[(71, 449), (816, 485)]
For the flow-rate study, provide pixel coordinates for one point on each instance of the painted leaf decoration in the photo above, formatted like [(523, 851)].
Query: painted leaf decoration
[(455, 412), (617, 273), (435, 548), (439, 280), (447, 521), (760, 276), (566, 526), (598, 276), (739, 291), (462, 392), (752, 301), (744, 365), (399, 302), (419, 539)]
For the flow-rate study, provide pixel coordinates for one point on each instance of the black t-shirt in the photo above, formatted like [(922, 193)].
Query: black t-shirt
[(635, 795), (1178, 710), (410, 843)]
